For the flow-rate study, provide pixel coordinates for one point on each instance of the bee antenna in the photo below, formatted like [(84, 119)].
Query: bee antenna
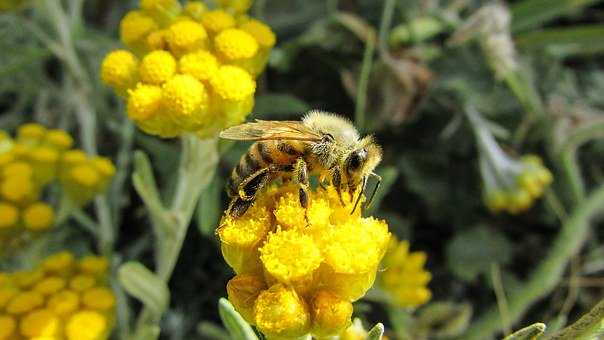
[(375, 189), (356, 203)]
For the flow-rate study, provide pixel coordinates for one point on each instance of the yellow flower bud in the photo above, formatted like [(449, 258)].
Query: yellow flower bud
[(73, 157), (261, 32), (85, 175), (280, 312), (520, 201), (157, 67), (186, 36), (186, 101), (496, 201), (18, 189), (99, 298), (135, 27), (195, 9), (9, 215), (58, 139), (64, 302), (233, 83), (81, 283), (18, 169), (8, 326), (94, 265), (59, 263), (350, 287), (49, 285), (120, 70), (157, 40), (38, 216), (26, 279), (217, 20), (30, 133), (290, 256), (86, 325), (243, 290), (44, 160), (24, 302), (40, 323), (144, 102), (330, 314), (235, 44), (159, 5), (201, 65), (6, 294), (239, 6)]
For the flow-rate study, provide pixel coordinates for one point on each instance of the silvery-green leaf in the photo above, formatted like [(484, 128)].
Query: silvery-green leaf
[(527, 333), (234, 323), (376, 332), (142, 284)]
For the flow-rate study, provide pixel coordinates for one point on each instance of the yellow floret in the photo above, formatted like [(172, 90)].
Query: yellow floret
[(195, 9), (18, 189), (186, 100), (233, 83), (104, 166), (280, 312), (27, 278), (40, 323), (8, 326), (243, 290), (9, 215), (289, 256), (357, 246), (24, 302), (73, 157), (135, 27), (201, 65), (30, 132), (86, 325), (94, 265), (49, 285), (59, 139), (44, 155), (64, 302), (157, 67), (6, 294), (186, 36), (158, 5), (85, 175), (120, 70), (99, 298), (144, 102), (330, 313), (157, 40), (81, 283), (261, 32), (18, 169), (217, 20), (59, 263), (235, 44), (38, 216)]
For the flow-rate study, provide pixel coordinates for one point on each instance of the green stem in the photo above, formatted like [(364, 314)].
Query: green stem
[(573, 175), (528, 98), (547, 275)]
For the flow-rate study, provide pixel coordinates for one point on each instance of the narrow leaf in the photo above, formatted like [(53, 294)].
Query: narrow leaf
[(589, 326), (530, 14), (527, 333), (142, 284), (376, 332), (565, 42), (234, 323)]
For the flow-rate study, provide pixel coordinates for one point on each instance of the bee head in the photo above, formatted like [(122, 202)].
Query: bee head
[(362, 160)]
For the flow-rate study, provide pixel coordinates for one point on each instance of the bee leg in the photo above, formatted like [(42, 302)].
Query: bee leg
[(336, 180), (249, 186), (238, 207), (301, 177)]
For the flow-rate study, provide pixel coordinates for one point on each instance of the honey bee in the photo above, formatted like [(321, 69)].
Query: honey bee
[(321, 144)]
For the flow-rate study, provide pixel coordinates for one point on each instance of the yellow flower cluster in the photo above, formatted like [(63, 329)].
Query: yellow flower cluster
[(403, 276), (298, 271), (188, 68), (28, 164), (62, 299), (528, 184)]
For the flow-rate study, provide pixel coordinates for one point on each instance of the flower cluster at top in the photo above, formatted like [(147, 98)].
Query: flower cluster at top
[(32, 161), (403, 276), (515, 188), (298, 271), (62, 298), (188, 68)]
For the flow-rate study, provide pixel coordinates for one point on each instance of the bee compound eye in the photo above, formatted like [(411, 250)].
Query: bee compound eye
[(356, 159)]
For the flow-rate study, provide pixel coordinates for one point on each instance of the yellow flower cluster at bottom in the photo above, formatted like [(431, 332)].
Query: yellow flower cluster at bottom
[(403, 276), (296, 277), (62, 298)]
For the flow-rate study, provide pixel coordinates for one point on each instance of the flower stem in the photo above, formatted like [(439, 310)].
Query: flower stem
[(549, 272)]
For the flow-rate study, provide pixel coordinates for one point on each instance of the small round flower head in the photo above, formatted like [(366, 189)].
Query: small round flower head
[(404, 277), (28, 278), (157, 40), (24, 302), (86, 325), (50, 285), (120, 70), (235, 44), (59, 263), (186, 100), (157, 67), (99, 298), (201, 65), (8, 327), (280, 312), (217, 20), (9, 215), (82, 282), (233, 83), (18, 189), (135, 27), (195, 9), (94, 265), (186, 36), (38, 216), (7, 292), (243, 290), (159, 5), (64, 303), (330, 313), (30, 133), (73, 157), (239, 6), (144, 102), (40, 323), (58, 139), (261, 32), (18, 169)]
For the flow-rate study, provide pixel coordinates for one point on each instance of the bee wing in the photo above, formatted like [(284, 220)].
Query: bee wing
[(271, 130)]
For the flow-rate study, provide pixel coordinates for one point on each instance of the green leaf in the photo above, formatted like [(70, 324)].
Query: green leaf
[(144, 285), (589, 327), (278, 104), (565, 42), (376, 332), (471, 252), (527, 333), (530, 14), (234, 323)]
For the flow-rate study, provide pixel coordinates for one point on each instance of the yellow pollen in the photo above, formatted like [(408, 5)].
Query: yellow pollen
[(233, 83), (156, 40), (38, 216), (157, 67), (184, 96), (144, 102), (234, 44)]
